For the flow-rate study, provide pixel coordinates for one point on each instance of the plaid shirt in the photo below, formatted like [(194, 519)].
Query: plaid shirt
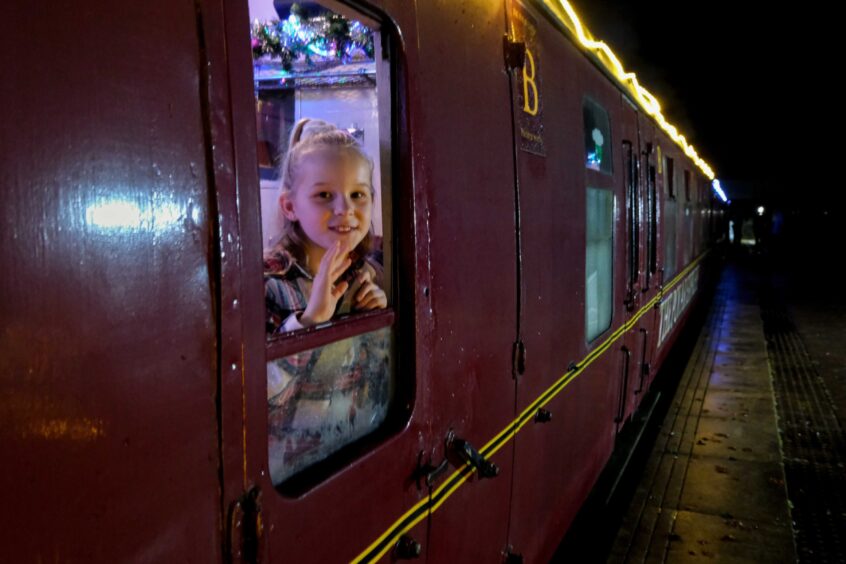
[(287, 287)]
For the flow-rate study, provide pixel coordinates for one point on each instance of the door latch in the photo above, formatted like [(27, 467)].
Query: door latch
[(458, 452), (471, 456)]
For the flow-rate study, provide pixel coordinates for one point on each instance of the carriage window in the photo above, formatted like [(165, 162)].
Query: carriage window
[(599, 262), (652, 212), (597, 137), (669, 218), (322, 90), (669, 178), (687, 185), (322, 399)]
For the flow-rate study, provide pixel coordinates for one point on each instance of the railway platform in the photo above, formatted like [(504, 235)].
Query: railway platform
[(748, 462)]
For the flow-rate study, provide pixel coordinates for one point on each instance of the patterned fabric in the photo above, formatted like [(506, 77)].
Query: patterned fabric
[(324, 398), (287, 287)]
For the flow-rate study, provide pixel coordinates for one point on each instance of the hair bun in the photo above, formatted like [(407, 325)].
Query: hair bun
[(307, 128)]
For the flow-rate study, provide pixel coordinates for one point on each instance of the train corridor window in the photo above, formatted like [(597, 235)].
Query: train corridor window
[(687, 185), (652, 213), (597, 137), (323, 131), (684, 229), (669, 178), (599, 262), (632, 211), (669, 217)]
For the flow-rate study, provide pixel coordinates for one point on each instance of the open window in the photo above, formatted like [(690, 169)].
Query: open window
[(331, 384)]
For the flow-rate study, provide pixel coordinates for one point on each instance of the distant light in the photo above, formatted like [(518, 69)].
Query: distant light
[(760, 210), (718, 189)]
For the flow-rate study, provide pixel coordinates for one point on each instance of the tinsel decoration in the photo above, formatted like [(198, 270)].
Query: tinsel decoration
[(301, 37)]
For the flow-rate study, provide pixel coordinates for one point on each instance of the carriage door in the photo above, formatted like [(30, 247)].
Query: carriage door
[(564, 429), (650, 275), (321, 429), (631, 383)]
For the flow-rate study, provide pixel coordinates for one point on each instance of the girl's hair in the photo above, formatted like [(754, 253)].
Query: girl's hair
[(307, 137)]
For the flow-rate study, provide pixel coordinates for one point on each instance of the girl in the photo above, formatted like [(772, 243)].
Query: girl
[(324, 398), (319, 268)]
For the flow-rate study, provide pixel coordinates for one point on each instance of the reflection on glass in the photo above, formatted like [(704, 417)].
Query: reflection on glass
[(597, 137), (324, 398)]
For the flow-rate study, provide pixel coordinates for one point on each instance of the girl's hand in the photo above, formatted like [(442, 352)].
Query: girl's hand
[(369, 296), (324, 293)]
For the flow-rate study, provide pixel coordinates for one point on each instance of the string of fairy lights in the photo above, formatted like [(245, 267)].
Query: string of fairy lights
[(565, 13)]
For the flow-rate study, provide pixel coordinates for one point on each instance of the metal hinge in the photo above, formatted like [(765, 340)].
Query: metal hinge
[(518, 357), (245, 528)]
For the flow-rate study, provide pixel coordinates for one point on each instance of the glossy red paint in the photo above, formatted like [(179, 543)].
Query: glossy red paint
[(133, 350), (108, 416)]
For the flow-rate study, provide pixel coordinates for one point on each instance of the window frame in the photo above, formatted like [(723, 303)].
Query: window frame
[(398, 264), (284, 344)]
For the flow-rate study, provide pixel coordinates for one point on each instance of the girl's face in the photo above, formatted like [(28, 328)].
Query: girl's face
[(332, 199)]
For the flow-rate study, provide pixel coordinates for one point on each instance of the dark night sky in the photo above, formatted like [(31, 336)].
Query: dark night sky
[(752, 85)]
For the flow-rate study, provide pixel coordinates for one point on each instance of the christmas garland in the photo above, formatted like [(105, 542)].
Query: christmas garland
[(301, 37)]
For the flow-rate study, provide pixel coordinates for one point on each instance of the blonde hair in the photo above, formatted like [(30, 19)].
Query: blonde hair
[(307, 137)]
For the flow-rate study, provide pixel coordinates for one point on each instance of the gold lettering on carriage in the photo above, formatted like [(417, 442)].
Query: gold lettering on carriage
[(676, 303), (530, 103)]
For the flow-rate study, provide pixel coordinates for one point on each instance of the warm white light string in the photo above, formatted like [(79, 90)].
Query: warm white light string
[(610, 61)]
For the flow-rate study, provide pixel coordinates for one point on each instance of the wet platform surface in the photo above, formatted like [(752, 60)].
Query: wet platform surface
[(714, 487)]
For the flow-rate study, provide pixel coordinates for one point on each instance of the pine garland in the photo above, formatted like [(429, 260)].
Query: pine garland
[(303, 38)]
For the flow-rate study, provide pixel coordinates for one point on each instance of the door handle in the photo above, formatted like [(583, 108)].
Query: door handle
[(644, 367), (621, 409), (471, 456), (458, 451)]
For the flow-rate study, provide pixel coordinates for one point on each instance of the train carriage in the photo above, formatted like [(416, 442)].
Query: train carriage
[(542, 231)]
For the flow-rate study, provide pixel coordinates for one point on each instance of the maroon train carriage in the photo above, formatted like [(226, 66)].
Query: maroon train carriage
[(542, 239)]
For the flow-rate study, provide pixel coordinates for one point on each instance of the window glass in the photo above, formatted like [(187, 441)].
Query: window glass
[(322, 399), (682, 220), (599, 262), (597, 137), (669, 239), (688, 236), (669, 177), (652, 213), (669, 219), (323, 147), (687, 185), (632, 210)]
